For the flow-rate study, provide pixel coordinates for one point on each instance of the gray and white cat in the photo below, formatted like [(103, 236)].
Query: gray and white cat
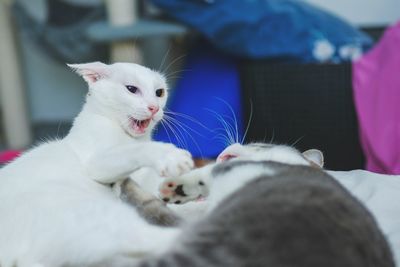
[(272, 206)]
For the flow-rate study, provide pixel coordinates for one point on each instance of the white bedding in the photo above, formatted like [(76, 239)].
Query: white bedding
[(381, 194)]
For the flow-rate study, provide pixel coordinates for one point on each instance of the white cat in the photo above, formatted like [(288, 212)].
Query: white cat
[(56, 206)]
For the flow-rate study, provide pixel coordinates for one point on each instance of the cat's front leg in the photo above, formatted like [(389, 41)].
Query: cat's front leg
[(148, 179), (119, 162), (190, 186), (150, 207)]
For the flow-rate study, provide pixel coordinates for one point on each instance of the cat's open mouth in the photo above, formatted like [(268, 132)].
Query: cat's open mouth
[(139, 126)]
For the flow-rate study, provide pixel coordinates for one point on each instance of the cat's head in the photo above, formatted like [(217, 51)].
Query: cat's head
[(271, 152), (130, 94)]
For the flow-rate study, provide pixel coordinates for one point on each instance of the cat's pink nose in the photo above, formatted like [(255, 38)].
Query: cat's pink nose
[(153, 109)]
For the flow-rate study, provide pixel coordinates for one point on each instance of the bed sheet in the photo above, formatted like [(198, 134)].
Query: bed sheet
[(381, 194)]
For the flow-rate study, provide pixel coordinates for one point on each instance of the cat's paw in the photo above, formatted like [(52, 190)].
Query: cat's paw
[(173, 161), (183, 189)]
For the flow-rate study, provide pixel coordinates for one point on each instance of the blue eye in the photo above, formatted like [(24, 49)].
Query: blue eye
[(132, 89)]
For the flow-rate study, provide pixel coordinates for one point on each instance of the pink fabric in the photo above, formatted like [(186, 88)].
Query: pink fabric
[(376, 83), (9, 155)]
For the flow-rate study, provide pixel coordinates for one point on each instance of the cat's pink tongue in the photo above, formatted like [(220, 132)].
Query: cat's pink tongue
[(140, 126)]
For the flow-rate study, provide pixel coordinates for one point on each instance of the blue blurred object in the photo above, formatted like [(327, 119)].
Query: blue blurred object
[(208, 101), (284, 29)]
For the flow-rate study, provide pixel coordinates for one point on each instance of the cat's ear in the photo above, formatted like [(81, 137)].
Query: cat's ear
[(91, 72), (226, 156), (314, 156), (232, 151)]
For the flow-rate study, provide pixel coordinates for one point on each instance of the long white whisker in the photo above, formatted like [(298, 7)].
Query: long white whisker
[(248, 122), (179, 131), (234, 117), (172, 62), (233, 126), (298, 140), (185, 116), (228, 128), (187, 127), (166, 131), (177, 137), (170, 75), (178, 124), (223, 138), (273, 136), (58, 129), (225, 128), (164, 59), (229, 124), (170, 79)]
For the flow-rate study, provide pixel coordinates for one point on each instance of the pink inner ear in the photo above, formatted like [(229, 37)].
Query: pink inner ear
[(91, 72), (225, 157), (91, 76)]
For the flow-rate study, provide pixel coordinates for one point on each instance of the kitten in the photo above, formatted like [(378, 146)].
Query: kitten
[(273, 206), (56, 206)]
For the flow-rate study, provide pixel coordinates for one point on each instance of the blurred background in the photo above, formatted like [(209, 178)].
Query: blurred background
[(252, 70)]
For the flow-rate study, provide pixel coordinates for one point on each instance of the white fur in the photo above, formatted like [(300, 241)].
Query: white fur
[(277, 153), (141, 177), (230, 182), (55, 204)]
